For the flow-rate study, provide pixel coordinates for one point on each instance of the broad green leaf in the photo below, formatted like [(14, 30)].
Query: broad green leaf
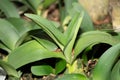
[(93, 37), (34, 5), (8, 34), (60, 66), (73, 77), (47, 44), (105, 63), (87, 24), (72, 36), (75, 23), (21, 25), (30, 52), (64, 11), (42, 70), (49, 28), (68, 5), (9, 69), (115, 74), (8, 8)]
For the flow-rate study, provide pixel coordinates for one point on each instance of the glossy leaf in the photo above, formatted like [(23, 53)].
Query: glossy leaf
[(87, 24), (93, 37), (8, 8), (9, 69), (30, 52), (66, 10), (73, 77), (86, 18), (49, 28), (21, 25), (71, 35), (74, 26), (115, 74), (60, 66), (47, 44), (42, 70), (8, 34), (105, 63)]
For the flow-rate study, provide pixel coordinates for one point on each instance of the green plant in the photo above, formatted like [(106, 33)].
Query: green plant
[(9, 10), (38, 6), (17, 33), (69, 43), (69, 10), (63, 47), (11, 71), (14, 31), (108, 65)]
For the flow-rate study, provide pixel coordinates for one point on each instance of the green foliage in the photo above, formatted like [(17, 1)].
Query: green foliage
[(17, 37), (16, 32), (71, 8), (9, 9), (60, 66), (22, 25), (42, 70), (92, 38), (115, 74), (50, 29), (11, 71), (47, 44), (30, 52), (73, 77), (104, 66), (86, 20), (84, 40), (11, 38), (38, 6)]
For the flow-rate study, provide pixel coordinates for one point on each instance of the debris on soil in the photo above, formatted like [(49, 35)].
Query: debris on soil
[(52, 13)]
